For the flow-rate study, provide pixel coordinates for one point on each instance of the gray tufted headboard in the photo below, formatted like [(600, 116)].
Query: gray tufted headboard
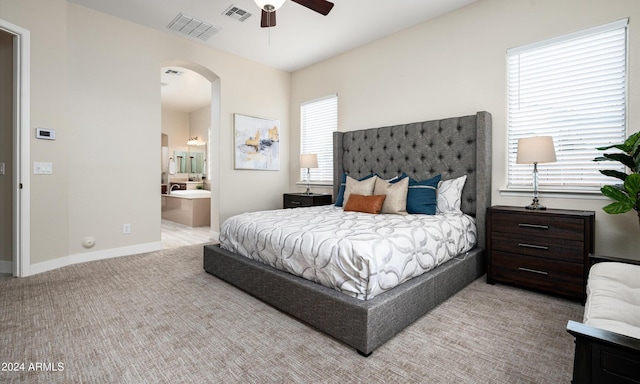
[(451, 147)]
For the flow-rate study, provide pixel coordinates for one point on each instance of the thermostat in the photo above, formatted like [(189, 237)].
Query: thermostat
[(45, 133)]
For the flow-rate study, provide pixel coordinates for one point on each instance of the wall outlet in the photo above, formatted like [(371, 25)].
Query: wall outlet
[(126, 228)]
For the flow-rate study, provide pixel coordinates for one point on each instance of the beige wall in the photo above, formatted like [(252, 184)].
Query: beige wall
[(455, 65), (199, 123), (95, 79)]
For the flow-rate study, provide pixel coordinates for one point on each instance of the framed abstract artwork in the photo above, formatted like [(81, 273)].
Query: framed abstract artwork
[(256, 143)]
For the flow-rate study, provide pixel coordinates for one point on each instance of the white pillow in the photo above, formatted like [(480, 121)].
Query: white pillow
[(396, 200), (450, 195), (364, 187)]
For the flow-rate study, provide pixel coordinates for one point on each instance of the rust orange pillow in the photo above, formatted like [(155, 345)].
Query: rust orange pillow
[(365, 204)]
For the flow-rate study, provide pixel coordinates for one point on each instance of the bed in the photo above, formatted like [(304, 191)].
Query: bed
[(451, 147)]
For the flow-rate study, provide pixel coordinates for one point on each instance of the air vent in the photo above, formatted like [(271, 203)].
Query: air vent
[(193, 27), (236, 13)]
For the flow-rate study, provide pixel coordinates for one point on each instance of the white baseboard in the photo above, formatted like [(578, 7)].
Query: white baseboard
[(93, 256), (6, 267)]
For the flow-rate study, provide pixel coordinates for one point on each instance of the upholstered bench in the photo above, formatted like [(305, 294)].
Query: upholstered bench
[(608, 339)]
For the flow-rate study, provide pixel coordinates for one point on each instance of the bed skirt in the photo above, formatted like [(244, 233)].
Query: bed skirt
[(363, 325)]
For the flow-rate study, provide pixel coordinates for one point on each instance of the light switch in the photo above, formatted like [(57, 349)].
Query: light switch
[(40, 168)]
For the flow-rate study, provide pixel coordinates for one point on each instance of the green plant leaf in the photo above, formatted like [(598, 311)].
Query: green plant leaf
[(611, 173), (634, 150), (632, 141), (615, 193), (621, 157), (617, 207), (632, 184), (619, 146)]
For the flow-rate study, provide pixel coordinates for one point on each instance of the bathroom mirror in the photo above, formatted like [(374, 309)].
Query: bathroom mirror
[(196, 161), (191, 162), (181, 160)]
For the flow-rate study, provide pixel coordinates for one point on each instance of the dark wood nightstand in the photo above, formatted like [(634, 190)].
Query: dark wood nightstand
[(295, 200), (546, 250)]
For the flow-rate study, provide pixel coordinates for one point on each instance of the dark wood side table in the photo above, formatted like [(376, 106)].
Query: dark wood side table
[(547, 250), (295, 200)]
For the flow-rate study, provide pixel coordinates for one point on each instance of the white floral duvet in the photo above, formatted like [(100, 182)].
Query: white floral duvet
[(356, 253)]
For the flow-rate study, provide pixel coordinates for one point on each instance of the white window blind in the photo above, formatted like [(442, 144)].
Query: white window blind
[(574, 89), (318, 121)]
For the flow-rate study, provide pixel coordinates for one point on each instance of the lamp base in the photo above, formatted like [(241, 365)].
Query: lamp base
[(308, 191), (535, 205)]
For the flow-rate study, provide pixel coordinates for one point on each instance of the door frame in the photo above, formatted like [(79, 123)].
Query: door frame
[(21, 148)]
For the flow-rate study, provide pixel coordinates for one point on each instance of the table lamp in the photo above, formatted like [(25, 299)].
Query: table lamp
[(534, 150), (308, 160)]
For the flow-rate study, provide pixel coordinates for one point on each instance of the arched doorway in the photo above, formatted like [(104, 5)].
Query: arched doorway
[(210, 173)]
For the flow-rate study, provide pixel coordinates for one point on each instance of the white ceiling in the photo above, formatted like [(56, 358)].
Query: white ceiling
[(301, 37)]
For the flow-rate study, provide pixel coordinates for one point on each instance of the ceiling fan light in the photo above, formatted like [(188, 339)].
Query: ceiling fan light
[(269, 5)]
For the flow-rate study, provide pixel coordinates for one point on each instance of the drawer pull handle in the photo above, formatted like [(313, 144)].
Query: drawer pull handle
[(295, 202), (533, 271), (534, 226), (525, 245)]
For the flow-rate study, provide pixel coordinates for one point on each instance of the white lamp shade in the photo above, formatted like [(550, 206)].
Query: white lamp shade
[(537, 149), (274, 3), (308, 160)]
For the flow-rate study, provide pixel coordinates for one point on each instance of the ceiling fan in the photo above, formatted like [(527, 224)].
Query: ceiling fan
[(269, 8)]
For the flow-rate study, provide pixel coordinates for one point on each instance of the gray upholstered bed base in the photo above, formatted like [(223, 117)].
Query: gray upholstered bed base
[(451, 147), (363, 325)]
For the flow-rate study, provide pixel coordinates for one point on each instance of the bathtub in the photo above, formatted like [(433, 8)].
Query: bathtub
[(191, 193), (188, 207)]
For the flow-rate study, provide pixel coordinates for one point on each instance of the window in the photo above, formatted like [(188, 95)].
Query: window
[(574, 89), (318, 121)]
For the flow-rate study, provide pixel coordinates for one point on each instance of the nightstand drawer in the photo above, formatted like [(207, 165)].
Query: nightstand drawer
[(296, 200), (548, 275), (546, 247), (567, 228)]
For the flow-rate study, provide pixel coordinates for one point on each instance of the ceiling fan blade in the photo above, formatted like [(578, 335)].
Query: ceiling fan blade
[(321, 6), (268, 19)]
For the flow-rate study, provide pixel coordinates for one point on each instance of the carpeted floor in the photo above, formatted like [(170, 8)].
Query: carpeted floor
[(159, 318)]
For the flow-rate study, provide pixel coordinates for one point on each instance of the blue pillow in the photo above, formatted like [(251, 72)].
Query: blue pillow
[(422, 196), (343, 186)]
